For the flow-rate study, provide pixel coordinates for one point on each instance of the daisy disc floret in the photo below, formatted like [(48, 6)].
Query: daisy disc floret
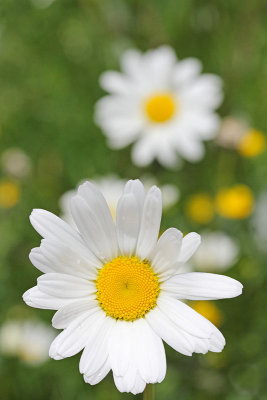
[(116, 287), (164, 105)]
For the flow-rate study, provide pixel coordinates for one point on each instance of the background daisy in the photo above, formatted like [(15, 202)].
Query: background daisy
[(164, 105)]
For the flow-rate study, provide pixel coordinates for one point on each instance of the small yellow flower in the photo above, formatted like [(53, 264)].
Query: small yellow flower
[(9, 194), (200, 208), (235, 202), (209, 310), (252, 143)]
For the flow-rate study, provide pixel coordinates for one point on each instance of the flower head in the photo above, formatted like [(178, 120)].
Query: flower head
[(165, 106), (117, 287), (235, 202)]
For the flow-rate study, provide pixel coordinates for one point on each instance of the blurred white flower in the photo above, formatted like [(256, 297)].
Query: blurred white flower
[(112, 187), (15, 162), (217, 252), (259, 221), (165, 106), (28, 340), (117, 287)]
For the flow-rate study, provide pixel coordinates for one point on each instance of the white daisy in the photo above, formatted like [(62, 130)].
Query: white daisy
[(111, 187), (163, 105), (29, 340), (117, 288), (217, 252)]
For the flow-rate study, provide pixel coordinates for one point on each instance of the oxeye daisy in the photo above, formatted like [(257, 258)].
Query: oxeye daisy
[(118, 290), (164, 105)]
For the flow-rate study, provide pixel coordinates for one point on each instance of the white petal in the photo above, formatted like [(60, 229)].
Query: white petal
[(202, 286), (205, 91), (35, 298), (165, 329), (185, 71), (144, 359), (165, 255), (51, 227), (190, 244), (99, 238), (74, 338), (150, 223), (184, 317), (99, 375), (129, 212), (150, 353), (66, 286), (95, 353), (116, 82), (66, 314), (53, 256), (120, 347), (143, 152)]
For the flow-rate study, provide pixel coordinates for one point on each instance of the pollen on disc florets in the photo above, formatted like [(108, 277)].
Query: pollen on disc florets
[(127, 288)]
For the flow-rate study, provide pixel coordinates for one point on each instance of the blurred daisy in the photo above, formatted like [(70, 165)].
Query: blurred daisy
[(16, 162), (112, 187), (235, 202), (28, 340), (236, 134), (165, 106), (117, 288), (217, 252)]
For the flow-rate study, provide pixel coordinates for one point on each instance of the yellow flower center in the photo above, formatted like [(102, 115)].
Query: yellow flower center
[(160, 107), (252, 143), (127, 288), (235, 202)]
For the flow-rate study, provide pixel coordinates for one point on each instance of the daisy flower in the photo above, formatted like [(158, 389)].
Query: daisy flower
[(165, 106), (118, 290)]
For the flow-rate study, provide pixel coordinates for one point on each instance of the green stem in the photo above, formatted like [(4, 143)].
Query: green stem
[(149, 393)]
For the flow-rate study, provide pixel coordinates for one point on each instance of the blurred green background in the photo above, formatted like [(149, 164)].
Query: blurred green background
[(51, 55)]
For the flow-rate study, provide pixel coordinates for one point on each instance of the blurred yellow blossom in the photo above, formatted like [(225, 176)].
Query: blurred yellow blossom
[(200, 208), (252, 143), (9, 194), (209, 310), (235, 202)]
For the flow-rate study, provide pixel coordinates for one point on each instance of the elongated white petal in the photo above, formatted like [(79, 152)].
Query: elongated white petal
[(166, 253), (150, 353), (99, 375), (51, 227), (135, 187), (183, 341), (184, 316), (190, 244), (128, 223), (53, 256), (94, 232), (202, 286), (95, 353), (150, 223), (113, 81), (165, 329), (66, 286), (73, 339), (34, 297), (66, 314), (99, 207), (185, 71), (120, 347)]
